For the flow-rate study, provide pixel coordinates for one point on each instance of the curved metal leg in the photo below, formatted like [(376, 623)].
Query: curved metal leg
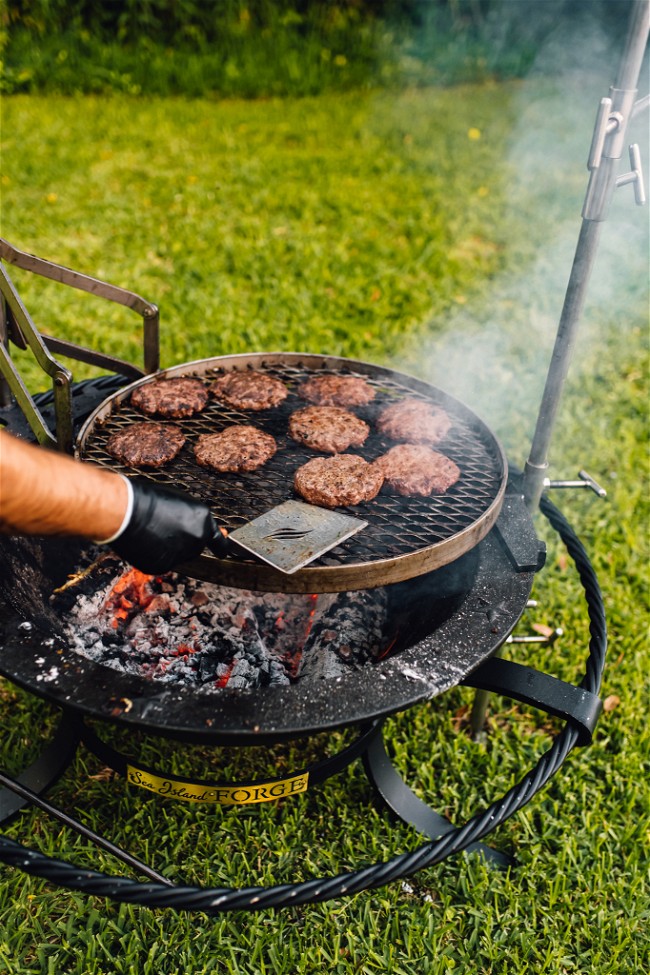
[(403, 802), (43, 773)]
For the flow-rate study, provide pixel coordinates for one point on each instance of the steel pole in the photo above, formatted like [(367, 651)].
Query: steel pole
[(606, 149)]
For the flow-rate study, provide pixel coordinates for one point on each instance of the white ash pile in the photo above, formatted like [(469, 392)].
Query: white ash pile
[(180, 630)]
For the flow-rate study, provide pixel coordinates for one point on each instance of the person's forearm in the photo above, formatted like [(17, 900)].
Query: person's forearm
[(46, 493)]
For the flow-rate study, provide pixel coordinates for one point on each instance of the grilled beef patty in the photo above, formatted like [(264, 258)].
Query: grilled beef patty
[(414, 421), (249, 390), (328, 428), (339, 481), (414, 469), (237, 448), (173, 398), (337, 391), (146, 444)]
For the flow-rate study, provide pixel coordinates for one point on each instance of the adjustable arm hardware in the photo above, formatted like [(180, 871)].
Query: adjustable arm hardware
[(586, 481), (635, 176)]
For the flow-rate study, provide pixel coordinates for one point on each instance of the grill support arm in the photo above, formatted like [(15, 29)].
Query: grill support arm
[(61, 377), (606, 149), (102, 289), (536, 467), (16, 325)]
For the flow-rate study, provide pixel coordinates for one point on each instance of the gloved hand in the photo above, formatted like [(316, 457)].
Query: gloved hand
[(166, 528)]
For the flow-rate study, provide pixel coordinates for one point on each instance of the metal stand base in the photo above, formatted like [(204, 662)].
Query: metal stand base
[(579, 705)]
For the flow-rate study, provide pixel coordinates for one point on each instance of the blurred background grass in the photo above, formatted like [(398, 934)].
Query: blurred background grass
[(426, 228), (260, 48)]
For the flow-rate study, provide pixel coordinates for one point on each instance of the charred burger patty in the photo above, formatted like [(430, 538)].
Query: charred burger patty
[(249, 390), (337, 391), (146, 444), (333, 482), (414, 421), (414, 469), (328, 428), (173, 398), (237, 448)]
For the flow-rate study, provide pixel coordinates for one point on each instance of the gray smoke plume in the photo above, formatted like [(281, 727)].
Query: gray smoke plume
[(494, 355)]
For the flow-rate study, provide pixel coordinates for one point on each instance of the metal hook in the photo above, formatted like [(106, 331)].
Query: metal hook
[(586, 481), (635, 177)]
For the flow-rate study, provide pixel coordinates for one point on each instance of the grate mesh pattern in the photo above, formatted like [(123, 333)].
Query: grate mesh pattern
[(397, 526)]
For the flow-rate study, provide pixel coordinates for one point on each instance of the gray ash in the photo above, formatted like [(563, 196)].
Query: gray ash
[(183, 631)]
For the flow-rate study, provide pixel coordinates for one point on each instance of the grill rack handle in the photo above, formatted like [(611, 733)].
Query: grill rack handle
[(16, 325)]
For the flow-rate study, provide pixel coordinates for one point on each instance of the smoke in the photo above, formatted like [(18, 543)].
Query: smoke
[(494, 353)]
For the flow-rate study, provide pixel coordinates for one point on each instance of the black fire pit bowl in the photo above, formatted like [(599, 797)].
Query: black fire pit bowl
[(443, 625)]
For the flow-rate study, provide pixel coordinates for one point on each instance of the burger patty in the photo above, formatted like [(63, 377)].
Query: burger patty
[(173, 398), (146, 444), (414, 421), (237, 448), (414, 469), (249, 390), (333, 482), (337, 391), (328, 428)]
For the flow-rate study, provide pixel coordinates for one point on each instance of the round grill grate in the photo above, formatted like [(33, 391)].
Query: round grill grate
[(404, 537)]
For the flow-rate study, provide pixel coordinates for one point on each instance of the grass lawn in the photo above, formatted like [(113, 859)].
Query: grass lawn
[(431, 231)]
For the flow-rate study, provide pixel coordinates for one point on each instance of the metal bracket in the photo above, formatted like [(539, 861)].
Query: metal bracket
[(635, 177), (574, 704), (408, 807), (538, 638), (110, 292), (43, 772), (600, 133), (586, 481), (17, 326), (517, 535)]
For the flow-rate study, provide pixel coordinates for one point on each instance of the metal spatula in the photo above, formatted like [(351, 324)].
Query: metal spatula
[(293, 534)]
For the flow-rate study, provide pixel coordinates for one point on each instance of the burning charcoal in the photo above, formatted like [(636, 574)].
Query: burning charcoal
[(221, 671), (347, 637), (277, 673), (210, 668), (321, 664), (178, 630), (111, 639)]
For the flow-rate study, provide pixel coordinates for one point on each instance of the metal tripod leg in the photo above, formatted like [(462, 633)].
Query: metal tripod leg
[(479, 708)]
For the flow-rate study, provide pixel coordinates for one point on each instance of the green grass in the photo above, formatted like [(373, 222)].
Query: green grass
[(269, 62), (371, 226), (253, 49), (258, 226)]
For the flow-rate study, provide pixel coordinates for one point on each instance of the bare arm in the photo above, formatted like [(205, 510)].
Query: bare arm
[(46, 493), (149, 525)]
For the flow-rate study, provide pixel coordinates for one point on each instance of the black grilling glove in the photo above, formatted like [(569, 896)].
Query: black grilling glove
[(166, 528)]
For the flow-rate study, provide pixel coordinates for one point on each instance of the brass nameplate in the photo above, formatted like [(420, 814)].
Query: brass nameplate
[(224, 795)]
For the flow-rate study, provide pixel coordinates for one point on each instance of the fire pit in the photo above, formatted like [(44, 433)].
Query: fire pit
[(445, 646), (388, 619), (83, 631)]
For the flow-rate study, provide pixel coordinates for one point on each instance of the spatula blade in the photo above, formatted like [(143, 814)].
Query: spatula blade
[(291, 535)]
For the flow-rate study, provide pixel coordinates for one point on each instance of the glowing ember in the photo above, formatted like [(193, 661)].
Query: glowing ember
[(130, 593), (180, 630)]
